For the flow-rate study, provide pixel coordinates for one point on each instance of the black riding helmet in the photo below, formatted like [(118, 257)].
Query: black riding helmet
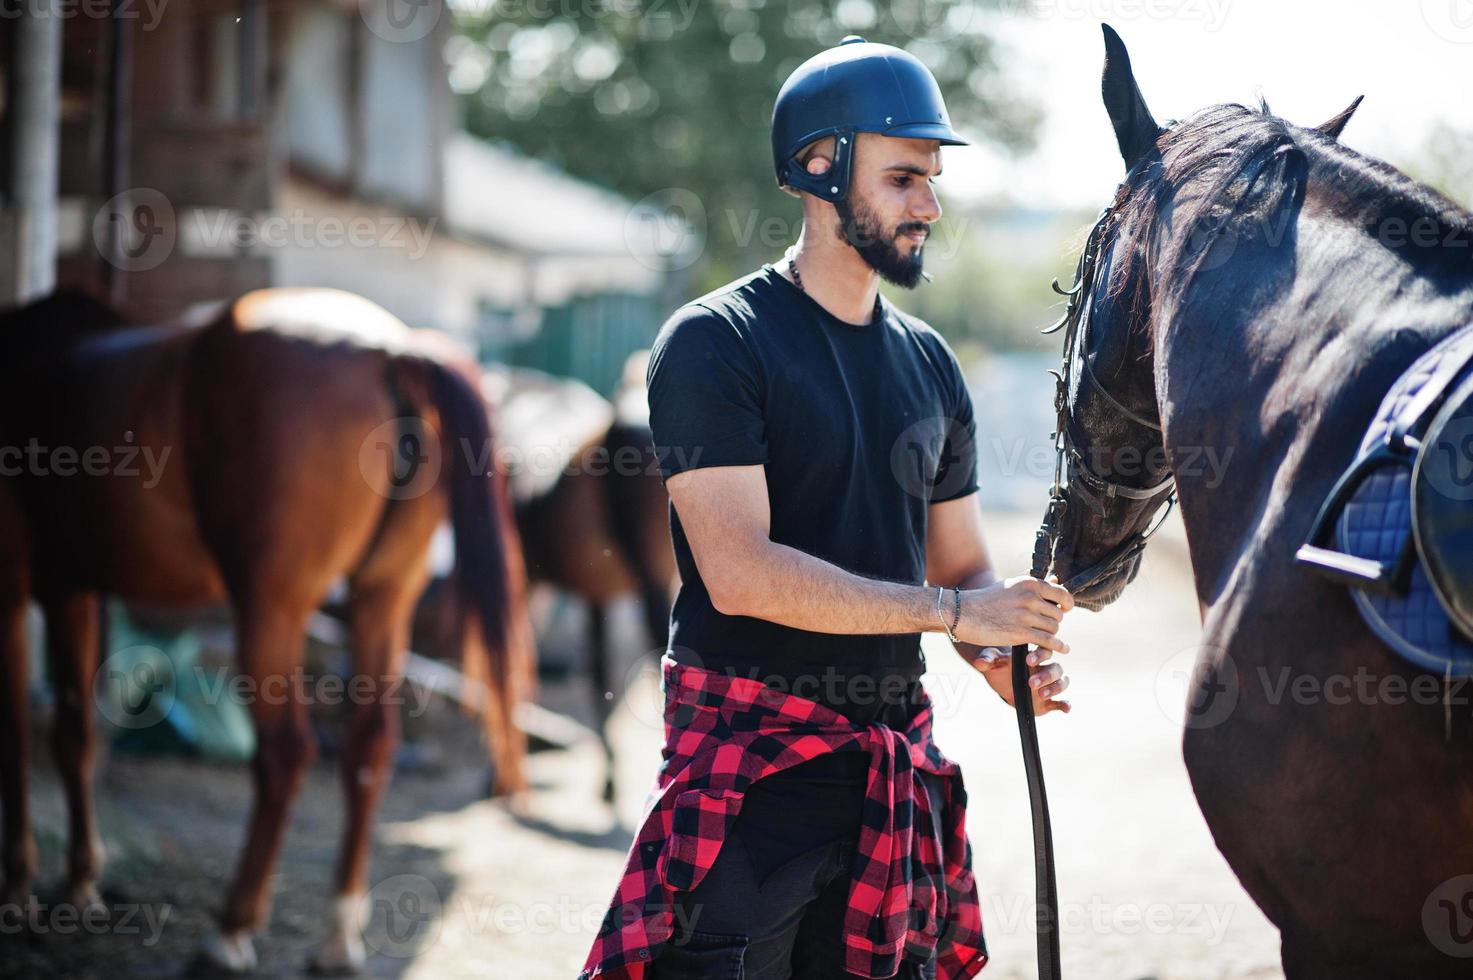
[(857, 87)]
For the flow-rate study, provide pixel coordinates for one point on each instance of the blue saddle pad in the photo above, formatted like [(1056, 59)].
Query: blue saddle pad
[(1376, 523)]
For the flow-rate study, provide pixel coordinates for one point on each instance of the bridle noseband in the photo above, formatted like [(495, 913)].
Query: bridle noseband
[(1073, 475)]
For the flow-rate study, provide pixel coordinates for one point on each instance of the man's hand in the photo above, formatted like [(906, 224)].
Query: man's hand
[(1018, 610), (1047, 681)]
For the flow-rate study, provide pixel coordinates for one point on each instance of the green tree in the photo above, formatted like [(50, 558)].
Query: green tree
[(643, 96), (1446, 162)]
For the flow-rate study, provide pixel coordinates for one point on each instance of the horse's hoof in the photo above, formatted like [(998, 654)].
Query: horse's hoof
[(85, 898), (227, 953), (337, 959), (341, 953)]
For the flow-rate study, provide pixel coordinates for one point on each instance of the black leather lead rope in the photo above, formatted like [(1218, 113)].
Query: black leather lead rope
[(1043, 834)]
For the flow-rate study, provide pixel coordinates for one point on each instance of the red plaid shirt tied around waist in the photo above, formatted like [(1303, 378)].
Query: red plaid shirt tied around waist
[(912, 890)]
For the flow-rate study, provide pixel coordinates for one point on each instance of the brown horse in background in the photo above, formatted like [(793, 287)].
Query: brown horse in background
[(602, 532), (591, 511), (298, 437)]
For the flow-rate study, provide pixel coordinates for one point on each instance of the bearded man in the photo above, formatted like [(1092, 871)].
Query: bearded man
[(819, 450)]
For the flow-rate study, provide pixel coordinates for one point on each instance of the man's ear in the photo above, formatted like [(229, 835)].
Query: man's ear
[(818, 164)]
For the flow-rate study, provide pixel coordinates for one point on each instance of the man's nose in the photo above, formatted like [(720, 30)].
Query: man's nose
[(928, 207)]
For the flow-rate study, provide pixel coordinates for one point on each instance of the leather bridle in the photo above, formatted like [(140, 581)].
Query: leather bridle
[(1073, 477)]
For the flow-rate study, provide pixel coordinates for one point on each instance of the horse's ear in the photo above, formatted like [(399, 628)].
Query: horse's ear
[(1135, 127), (1333, 127)]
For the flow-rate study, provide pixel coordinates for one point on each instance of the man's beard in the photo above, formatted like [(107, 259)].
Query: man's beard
[(862, 229)]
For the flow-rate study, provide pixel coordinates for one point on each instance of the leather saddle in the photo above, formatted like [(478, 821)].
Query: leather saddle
[(1401, 516)]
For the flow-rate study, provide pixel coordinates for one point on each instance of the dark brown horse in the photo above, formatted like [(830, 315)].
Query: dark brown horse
[(1254, 301), (298, 437), (591, 511)]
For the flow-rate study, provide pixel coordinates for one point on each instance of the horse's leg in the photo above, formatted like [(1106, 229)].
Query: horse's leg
[(379, 625), (382, 592), (72, 640), (270, 644), (598, 658), (19, 846)]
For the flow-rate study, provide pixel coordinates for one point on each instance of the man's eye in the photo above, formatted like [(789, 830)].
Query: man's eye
[(902, 181)]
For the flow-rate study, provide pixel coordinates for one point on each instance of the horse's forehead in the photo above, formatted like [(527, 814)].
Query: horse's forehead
[(330, 313)]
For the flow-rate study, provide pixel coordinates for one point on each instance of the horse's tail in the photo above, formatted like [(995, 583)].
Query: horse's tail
[(489, 578)]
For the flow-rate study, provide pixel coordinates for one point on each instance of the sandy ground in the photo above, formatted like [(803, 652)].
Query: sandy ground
[(467, 887)]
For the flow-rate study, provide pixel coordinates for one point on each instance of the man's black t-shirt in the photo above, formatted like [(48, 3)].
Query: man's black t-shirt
[(859, 429)]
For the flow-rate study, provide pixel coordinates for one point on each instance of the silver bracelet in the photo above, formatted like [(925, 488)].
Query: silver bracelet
[(950, 632)]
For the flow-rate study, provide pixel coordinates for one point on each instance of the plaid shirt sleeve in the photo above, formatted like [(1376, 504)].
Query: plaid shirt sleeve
[(912, 892)]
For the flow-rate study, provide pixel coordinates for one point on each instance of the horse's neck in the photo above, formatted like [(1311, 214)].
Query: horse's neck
[(1269, 381)]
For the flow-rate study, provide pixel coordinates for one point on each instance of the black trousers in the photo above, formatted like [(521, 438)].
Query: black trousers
[(772, 906)]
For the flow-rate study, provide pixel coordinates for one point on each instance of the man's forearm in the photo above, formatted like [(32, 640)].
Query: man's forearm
[(787, 586)]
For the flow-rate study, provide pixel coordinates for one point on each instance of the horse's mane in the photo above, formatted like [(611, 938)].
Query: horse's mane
[(1234, 171)]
